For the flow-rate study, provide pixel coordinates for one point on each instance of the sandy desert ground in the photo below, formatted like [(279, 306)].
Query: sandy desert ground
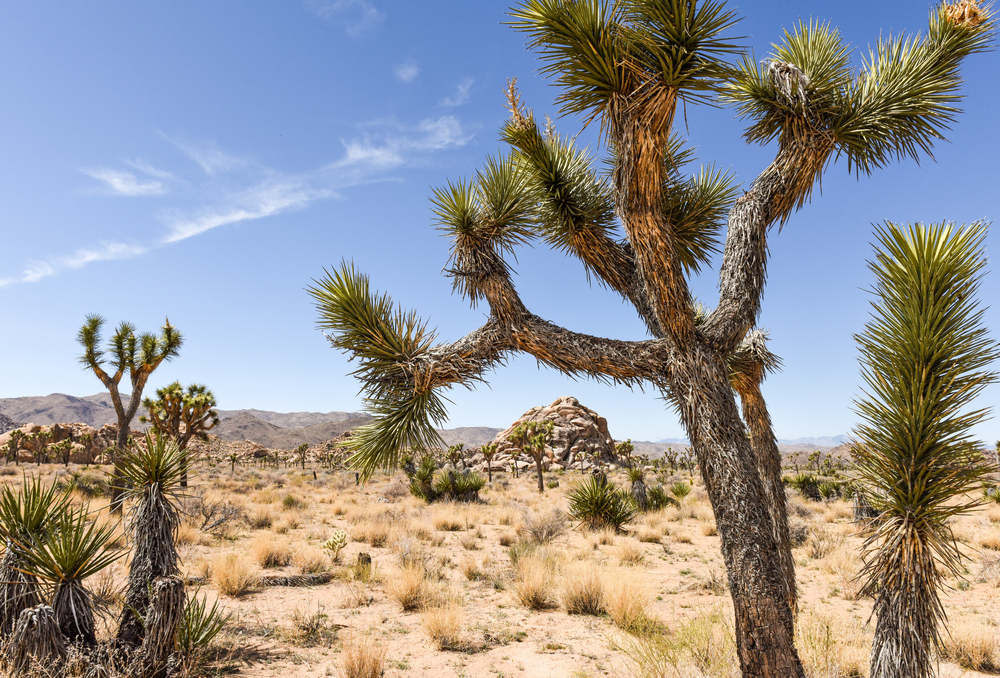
[(483, 590)]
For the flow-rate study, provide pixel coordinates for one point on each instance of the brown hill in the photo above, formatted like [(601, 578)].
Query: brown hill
[(244, 426), (292, 420), (58, 408), (470, 436)]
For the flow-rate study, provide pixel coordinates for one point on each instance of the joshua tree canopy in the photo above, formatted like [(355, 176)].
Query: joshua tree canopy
[(641, 226), (140, 356)]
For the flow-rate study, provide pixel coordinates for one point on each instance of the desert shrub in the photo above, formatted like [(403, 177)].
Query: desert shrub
[(829, 648), (991, 494), (822, 543), (625, 602), (598, 504), (798, 533), (290, 501), (444, 627), (972, 646), (260, 517), (410, 588), (583, 590), (543, 528), (335, 544), (630, 554), (657, 498), (363, 658), (533, 584), (234, 574), (462, 487), (269, 552), (422, 479), (311, 560), (807, 485)]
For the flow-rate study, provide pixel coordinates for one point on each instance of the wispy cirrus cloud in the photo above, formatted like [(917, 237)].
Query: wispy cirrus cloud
[(396, 147), (263, 200), (123, 182), (461, 94), (355, 16), (231, 189), (407, 71), (106, 251)]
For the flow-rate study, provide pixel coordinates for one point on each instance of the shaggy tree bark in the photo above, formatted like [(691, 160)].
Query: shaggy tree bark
[(37, 641), (166, 610), (18, 591)]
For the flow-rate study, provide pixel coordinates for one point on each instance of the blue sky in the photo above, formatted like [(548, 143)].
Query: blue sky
[(206, 161)]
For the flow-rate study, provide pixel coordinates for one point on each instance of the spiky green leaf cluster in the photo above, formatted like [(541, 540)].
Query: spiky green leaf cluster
[(598, 51), (925, 356), (599, 505), (200, 624), (128, 351), (380, 337), (158, 463), (28, 512), (897, 105), (74, 548)]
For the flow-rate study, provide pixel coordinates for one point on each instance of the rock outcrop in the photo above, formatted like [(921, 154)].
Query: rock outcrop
[(579, 434), (89, 443)]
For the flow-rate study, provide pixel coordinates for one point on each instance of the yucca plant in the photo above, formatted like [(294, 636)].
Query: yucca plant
[(72, 549), (658, 498), (199, 627), (422, 481), (679, 490), (152, 471), (26, 515), (599, 505), (924, 356)]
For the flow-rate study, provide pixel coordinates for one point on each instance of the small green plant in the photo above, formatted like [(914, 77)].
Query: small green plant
[(679, 490), (422, 480), (335, 544), (459, 486), (807, 485), (489, 451), (599, 505), (532, 437), (658, 498), (199, 627)]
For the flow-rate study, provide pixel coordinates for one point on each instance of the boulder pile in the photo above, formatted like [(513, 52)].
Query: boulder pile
[(88, 443), (579, 437)]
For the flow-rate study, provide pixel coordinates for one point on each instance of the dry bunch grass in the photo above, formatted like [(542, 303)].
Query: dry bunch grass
[(235, 574), (533, 583), (270, 552), (582, 590), (973, 646), (362, 658)]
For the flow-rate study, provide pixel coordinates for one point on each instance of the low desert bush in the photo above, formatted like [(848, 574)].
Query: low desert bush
[(311, 560), (991, 542), (832, 648), (972, 646), (845, 564), (373, 530), (583, 590), (410, 588), (444, 627), (543, 528), (648, 535), (448, 523), (822, 543), (625, 602), (630, 554), (235, 574), (533, 583), (363, 658), (260, 517), (270, 552), (798, 532)]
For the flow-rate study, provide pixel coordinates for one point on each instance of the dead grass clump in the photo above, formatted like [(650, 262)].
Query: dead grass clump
[(798, 532), (444, 626), (533, 583), (845, 564), (989, 572), (991, 542), (270, 552), (375, 531), (649, 535), (312, 629), (448, 523), (709, 529), (507, 539), (832, 648), (798, 507), (972, 646), (822, 543), (363, 658), (993, 514), (626, 603), (410, 588), (235, 574), (630, 554), (186, 534), (311, 560), (583, 590), (605, 537), (543, 528), (260, 517)]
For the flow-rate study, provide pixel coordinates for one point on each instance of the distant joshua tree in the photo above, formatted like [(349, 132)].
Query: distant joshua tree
[(925, 356), (139, 356), (531, 437), (642, 225), (182, 415)]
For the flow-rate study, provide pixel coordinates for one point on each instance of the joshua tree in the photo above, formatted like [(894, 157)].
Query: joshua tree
[(153, 471), (924, 357), (628, 64), (182, 415), (489, 451), (300, 452), (40, 441), (14, 444), (624, 450), (636, 477), (139, 355), (531, 437), (454, 454)]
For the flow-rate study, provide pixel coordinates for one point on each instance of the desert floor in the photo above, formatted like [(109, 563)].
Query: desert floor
[(658, 589)]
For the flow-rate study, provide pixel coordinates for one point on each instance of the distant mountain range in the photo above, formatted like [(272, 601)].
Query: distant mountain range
[(286, 430)]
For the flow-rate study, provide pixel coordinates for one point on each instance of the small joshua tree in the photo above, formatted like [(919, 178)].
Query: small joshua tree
[(531, 437), (925, 356), (153, 471), (637, 478), (624, 450), (300, 452), (139, 356), (40, 441), (454, 454), (489, 451), (182, 415)]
